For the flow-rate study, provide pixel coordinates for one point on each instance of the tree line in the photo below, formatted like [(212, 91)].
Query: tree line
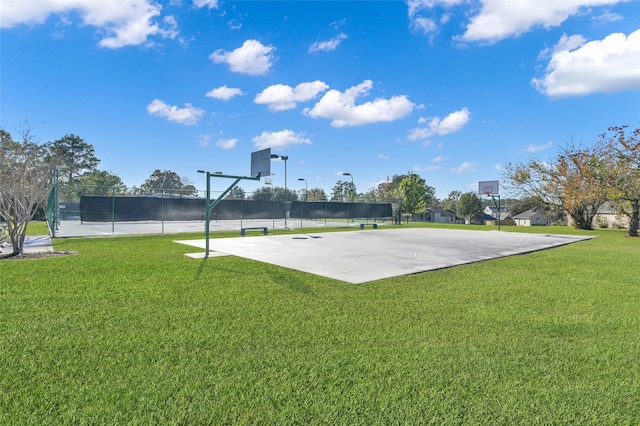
[(581, 179), (577, 182)]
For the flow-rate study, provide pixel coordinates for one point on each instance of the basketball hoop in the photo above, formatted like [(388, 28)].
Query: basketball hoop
[(268, 179), (489, 188)]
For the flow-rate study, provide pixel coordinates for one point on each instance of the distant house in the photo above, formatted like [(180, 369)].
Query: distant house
[(443, 216), (607, 216), (482, 219), (492, 211), (533, 217)]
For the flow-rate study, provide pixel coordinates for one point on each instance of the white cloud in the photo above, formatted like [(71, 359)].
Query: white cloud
[(537, 148), (464, 167), (498, 167), (282, 139), (280, 97), (251, 58), (187, 116), (578, 68), (234, 24), (383, 156), (328, 45), (424, 25), (226, 143), (439, 159), (606, 17), (452, 123), (204, 140), (416, 6), (224, 93), (210, 4), (427, 25), (565, 43), (500, 19), (340, 107), (119, 23)]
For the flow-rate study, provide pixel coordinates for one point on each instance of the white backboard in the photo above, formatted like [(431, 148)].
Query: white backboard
[(489, 187), (261, 163)]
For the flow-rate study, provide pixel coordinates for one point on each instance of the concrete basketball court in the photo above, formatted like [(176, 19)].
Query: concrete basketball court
[(362, 256)]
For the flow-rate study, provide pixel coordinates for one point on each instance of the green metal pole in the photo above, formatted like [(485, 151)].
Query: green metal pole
[(56, 220), (499, 212), (207, 213), (497, 204), (113, 210)]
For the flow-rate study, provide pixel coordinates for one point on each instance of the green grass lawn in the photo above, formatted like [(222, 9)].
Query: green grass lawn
[(130, 331)]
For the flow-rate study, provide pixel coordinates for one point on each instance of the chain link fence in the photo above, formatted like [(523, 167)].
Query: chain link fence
[(75, 210)]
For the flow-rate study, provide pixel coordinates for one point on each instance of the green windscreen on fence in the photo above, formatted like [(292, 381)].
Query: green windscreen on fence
[(122, 209)]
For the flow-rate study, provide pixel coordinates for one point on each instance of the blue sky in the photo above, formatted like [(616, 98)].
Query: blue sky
[(449, 89)]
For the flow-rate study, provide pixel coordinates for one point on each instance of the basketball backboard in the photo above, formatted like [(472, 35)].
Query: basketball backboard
[(261, 163), (489, 187)]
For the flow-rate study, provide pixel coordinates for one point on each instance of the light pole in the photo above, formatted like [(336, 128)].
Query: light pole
[(268, 181), (306, 190), (306, 196), (353, 186), (285, 158)]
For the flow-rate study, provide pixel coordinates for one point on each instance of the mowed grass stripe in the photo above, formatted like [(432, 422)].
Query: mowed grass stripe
[(130, 331)]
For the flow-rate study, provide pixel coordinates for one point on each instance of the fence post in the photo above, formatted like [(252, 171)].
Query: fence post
[(113, 210)]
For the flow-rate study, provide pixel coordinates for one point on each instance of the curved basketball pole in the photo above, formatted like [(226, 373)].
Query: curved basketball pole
[(208, 205)]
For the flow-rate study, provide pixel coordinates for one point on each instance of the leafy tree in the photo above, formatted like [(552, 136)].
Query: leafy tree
[(25, 183), (468, 205), (416, 194), (281, 194), (369, 196), (100, 183), (316, 194), (516, 206), (263, 194), (387, 192), (72, 156), (620, 167), (450, 202), (236, 193), (168, 182), (344, 191), (436, 203), (572, 182), (267, 193)]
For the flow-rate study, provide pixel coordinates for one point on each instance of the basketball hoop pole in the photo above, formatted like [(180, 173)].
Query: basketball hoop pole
[(208, 205), (491, 189), (493, 197)]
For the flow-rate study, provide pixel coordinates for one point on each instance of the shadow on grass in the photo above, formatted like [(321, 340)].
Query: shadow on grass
[(290, 281), (283, 277)]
